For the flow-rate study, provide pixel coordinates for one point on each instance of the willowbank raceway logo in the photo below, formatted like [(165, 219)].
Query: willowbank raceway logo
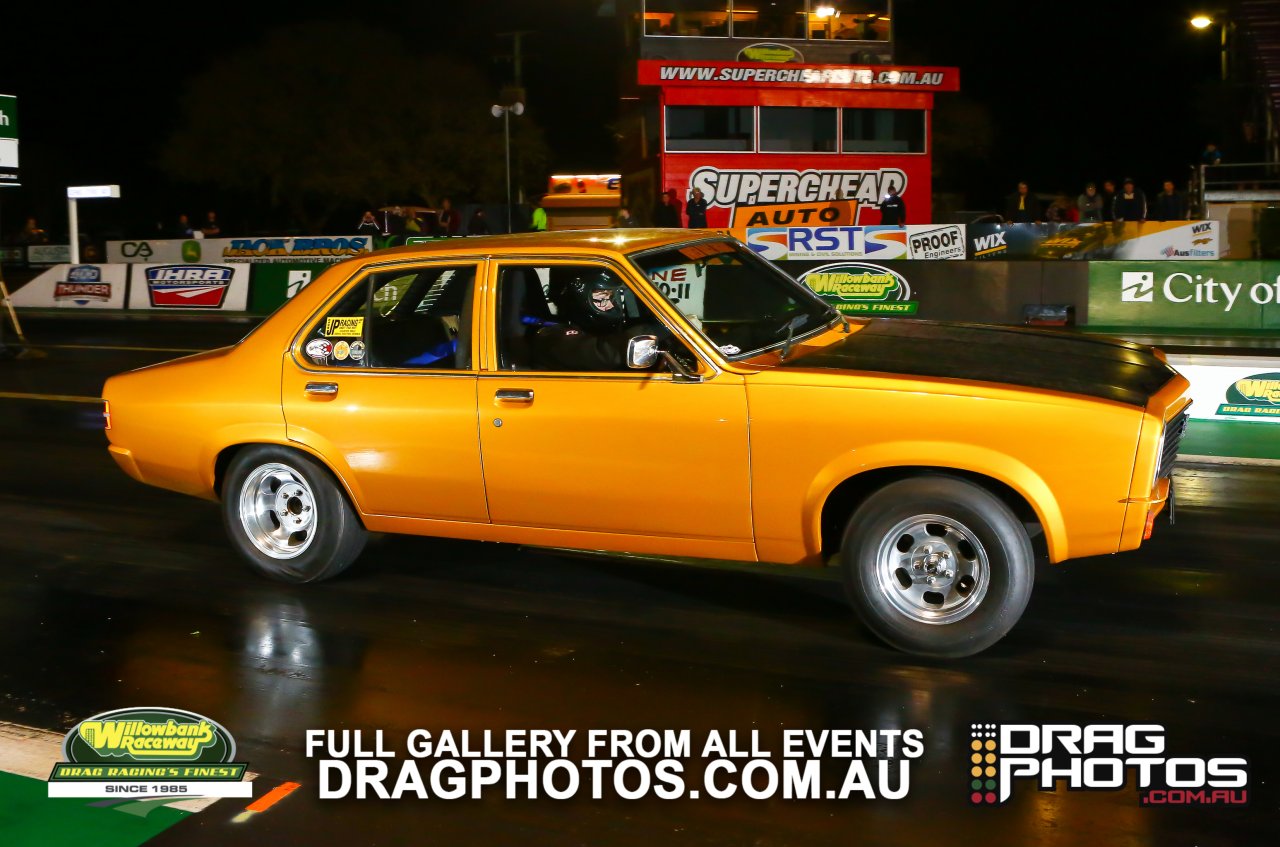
[(1098, 757), (862, 288), (1256, 396), (149, 751)]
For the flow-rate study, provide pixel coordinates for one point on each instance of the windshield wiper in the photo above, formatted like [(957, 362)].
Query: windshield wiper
[(790, 330)]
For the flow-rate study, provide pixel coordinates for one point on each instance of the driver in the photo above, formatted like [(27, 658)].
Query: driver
[(596, 331)]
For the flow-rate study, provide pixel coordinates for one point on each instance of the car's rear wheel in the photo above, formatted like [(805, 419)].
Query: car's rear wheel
[(288, 517), (937, 566)]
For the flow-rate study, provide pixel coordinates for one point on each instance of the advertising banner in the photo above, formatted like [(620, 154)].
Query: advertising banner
[(274, 283), (223, 288), (1219, 295), (49, 254), (326, 249), (1230, 388), (1150, 240), (75, 287), (667, 72), (751, 191), (858, 242), (9, 141)]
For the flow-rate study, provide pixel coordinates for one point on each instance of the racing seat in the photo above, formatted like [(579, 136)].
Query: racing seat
[(522, 308)]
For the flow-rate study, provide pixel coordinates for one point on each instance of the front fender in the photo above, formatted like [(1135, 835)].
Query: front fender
[(942, 455)]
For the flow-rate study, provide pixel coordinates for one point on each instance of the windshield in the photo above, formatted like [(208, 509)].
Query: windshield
[(740, 302)]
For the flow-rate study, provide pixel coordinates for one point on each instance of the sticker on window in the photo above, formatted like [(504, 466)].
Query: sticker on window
[(730, 349), (339, 327), (341, 350), (319, 350), (684, 285), (357, 351)]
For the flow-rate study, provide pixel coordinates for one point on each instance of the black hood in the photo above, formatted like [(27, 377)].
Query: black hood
[(1060, 361)]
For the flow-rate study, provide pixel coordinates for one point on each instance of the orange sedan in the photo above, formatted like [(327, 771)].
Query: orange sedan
[(663, 392)]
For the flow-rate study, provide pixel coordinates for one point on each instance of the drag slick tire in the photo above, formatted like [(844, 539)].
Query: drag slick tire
[(288, 517), (937, 566)]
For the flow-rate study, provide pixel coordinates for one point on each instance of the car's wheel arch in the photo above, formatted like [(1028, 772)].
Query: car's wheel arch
[(225, 456), (838, 495)]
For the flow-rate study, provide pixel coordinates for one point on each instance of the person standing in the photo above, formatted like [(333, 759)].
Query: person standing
[(893, 209), (211, 228), (1108, 199), (1130, 204), (1211, 155), (369, 226), (667, 214), (538, 223), (449, 220), (696, 209), (182, 228), (1021, 206), (624, 219), (479, 223), (1169, 205), (1089, 204)]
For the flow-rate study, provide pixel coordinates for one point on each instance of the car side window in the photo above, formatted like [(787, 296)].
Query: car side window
[(421, 318), (406, 319), (338, 339), (571, 318)]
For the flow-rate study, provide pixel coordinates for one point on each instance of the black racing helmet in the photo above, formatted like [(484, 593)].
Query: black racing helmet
[(594, 299)]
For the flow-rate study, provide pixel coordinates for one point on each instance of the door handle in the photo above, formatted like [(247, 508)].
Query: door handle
[(514, 395), (323, 389)]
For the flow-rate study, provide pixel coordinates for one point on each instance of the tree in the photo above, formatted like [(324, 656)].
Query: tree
[(322, 116)]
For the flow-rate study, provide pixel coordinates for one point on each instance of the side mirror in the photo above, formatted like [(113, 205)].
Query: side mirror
[(642, 352)]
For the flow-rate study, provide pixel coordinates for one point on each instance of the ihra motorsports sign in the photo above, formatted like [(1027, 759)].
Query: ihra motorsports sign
[(149, 752), (857, 288)]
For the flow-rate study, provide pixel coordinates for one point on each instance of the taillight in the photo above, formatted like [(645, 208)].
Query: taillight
[(106, 414)]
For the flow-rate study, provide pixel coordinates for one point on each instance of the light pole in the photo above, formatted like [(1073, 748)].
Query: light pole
[(505, 112)]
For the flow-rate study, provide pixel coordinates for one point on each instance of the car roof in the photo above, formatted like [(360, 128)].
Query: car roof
[(616, 241)]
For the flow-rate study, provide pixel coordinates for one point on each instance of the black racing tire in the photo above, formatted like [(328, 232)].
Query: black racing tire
[(288, 517), (951, 531)]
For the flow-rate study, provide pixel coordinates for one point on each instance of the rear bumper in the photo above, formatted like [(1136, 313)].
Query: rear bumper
[(124, 458)]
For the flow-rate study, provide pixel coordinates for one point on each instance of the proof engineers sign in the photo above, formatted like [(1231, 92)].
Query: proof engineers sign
[(8, 140)]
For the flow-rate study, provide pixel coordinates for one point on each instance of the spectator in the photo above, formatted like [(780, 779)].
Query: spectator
[(1089, 204), (450, 219), (538, 223), (624, 219), (1108, 199), (1130, 204), (893, 211), (1021, 206), (182, 228), (1169, 205), (697, 210), (479, 223), (1059, 210), (32, 233), (668, 213), (369, 226), (211, 228), (1211, 155)]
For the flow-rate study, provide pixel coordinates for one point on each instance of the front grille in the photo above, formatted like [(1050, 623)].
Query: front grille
[(1173, 433)]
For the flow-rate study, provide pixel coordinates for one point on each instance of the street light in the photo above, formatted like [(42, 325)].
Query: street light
[(1203, 22), (505, 112)]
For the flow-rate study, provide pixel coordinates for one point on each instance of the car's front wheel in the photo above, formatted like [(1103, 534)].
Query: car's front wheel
[(937, 566), (287, 516)]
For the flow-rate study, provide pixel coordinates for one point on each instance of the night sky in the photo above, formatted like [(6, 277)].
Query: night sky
[(1085, 91)]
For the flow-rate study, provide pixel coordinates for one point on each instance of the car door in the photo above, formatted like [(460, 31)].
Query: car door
[(610, 451), (382, 384)]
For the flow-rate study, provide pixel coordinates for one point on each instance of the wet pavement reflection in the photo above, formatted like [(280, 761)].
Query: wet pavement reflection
[(117, 595)]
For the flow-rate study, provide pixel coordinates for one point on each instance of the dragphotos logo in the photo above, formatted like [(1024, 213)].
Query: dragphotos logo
[(1099, 757)]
